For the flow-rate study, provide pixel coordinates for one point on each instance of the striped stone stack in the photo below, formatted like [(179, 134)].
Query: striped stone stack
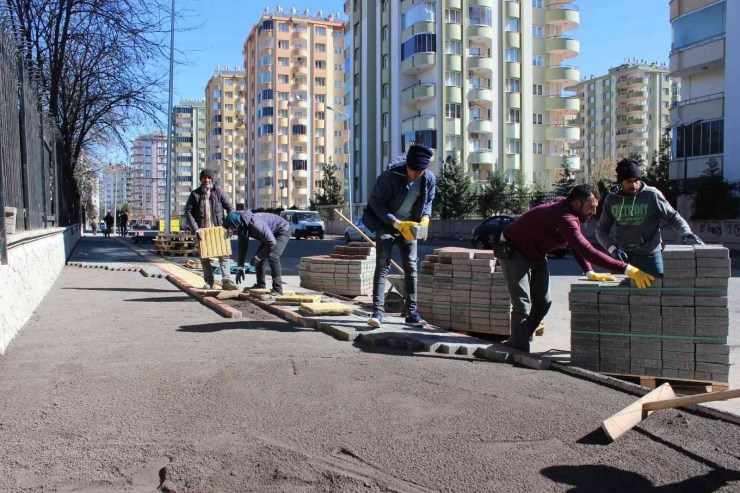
[(677, 328), (462, 289), (348, 271)]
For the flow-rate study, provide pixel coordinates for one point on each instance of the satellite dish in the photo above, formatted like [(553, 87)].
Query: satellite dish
[(293, 10), (267, 9), (319, 14), (305, 12), (279, 8)]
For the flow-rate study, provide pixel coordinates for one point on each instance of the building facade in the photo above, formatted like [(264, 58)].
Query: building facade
[(624, 113), (148, 172), (225, 131), (115, 188), (189, 149), (485, 79), (296, 120), (706, 56)]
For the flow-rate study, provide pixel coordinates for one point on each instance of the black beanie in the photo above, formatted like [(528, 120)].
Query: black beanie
[(207, 172), (418, 157), (628, 169)]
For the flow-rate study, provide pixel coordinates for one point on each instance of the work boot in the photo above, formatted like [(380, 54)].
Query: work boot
[(376, 320), (276, 294), (208, 286), (258, 286), (228, 285)]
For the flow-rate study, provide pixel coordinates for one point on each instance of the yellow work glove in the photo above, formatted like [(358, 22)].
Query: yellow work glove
[(404, 227), (595, 276), (642, 279), (425, 221)]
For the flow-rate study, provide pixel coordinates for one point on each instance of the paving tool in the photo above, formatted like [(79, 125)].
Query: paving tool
[(661, 398)]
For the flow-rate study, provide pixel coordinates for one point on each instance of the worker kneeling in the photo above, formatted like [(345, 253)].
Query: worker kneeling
[(273, 232), (402, 198), (523, 251)]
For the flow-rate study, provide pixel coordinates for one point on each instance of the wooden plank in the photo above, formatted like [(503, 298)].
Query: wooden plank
[(675, 381), (617, 425), (691, 400)]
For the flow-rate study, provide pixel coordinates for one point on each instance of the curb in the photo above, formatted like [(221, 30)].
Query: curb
[(214, 304)]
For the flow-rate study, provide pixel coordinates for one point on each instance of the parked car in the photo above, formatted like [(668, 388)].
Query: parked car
[(304, 223), (351, 235), (488, 233)]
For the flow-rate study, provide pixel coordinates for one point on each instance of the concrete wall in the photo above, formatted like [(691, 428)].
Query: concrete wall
[(732, 103), (35, 260)]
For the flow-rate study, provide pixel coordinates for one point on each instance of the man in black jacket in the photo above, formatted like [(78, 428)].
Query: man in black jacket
[(273, 232), (205, 209)]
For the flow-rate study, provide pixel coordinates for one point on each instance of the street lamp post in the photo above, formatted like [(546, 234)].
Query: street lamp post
[(168, 173), (349, 163)]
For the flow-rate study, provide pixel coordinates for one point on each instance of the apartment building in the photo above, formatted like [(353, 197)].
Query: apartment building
[(706, 56), (624, 113), (296, 121), (225, 131), (115, 188), (148, 171), (189, 149), (483, 78)]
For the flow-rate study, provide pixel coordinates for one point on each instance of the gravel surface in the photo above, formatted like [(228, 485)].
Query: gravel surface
[(121, 383)]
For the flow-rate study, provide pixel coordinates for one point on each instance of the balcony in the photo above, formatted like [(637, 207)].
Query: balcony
[(422, 122), (565, 16), (513, 161), (631, 122), (300, 173), (578, 121), (480, 94), (299, 32), (512, 39), (453, 31), (578, 145), (565, 46), (568, 133), (419, 27), (513, 100), (514, 69), (637, 148), (481, 156), (265, 173), (300, 51), (483, 63), (707, 54), (707, 107), (266, 156), (418, 93), (300, 70), (632, 108), (632, 95), (480, 34), (480, 125), (632, 82), (300, 138), (512, 9), (555, 161), (637, 136), (569, 105), (418, 63), (301, 191), (563, 73)]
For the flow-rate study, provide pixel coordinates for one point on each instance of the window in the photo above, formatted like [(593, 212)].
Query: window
[(537, 89), (453, 48), (424, 137), (512, 85), (386, 33), (283, 45), (538, 60), (419, 12), (453, 16), (607, 121), (266, 60), (453, 142), (665, 104), (320, 31), (217, 93), (264, 95), (216, 119), (320, 149), (386, 5), (283, 96), (480, 16), (216, 106), (338, 50), (299, 129), (453, 79), (266, 77), (283, 61), (537, 147), (283, 131), (338, 83), (320, 48), (265, 112), (606, 95), (512, 25), (607, 108), (513, 146), (337, 133), (699, 25), (283, 79), (266, 129), (420, 43), (512, 116), (666, 91), (591, 112), (357, 80), (512, 55), (536, 31), (453, 110), (537, 4), (591, 87), (537, 118), (320, 64), (229, 119), (386, 61), (319, 115), (607, 82), (283, 27), (386, 120), (320, 132), (282, 113), (320, 81), (300, 165), (591, 99)]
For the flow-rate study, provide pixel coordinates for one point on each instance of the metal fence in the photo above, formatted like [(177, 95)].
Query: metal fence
[(27, 145)]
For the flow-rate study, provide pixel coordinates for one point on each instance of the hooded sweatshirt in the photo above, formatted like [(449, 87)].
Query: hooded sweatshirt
[(262, 226), (637, 220)]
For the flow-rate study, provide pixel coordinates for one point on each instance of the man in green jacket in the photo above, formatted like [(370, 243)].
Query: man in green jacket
[(637, 210)]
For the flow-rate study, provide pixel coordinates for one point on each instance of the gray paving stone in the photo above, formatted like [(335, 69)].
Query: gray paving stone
[(608, 342), (676, 356), (612, 326), (703, 375), (614, 310), (713, 358), (645, 311), (717, 263), (678, 346), (712, 331), (679, 365), (712, 311), (645, 300), (678, 330), (713, 272), (686, 374), (677, 320), (646, 344), (679, 264), (668, 373), (644, 354), (646, 328), (647, 363), (711, 300), (720, 377), (613, 299), (678, 311), (613, 360), (702, 348), (677, 301), (713, 367), (577, 297), (711, 251), (583, 307), (711, 282)]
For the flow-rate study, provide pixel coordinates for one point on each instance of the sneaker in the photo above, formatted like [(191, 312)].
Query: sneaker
[(257, 286), (208, 286), (229, 286), (415, 320), (275, 294), (376, 320)]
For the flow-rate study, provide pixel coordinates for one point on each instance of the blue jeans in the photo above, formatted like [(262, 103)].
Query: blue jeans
[(652, 263), (385, 238)]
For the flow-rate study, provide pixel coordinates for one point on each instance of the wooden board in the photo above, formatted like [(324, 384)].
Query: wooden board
[(618, 424), (652, 382)]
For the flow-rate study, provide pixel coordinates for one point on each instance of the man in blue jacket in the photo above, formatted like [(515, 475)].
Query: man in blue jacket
[(401, 199), (273, 232)]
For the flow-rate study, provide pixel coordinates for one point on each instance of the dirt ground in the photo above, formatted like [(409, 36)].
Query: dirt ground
[(121, 383)]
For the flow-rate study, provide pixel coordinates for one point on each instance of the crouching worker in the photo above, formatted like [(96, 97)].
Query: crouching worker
[(402, 198), (273, 232)]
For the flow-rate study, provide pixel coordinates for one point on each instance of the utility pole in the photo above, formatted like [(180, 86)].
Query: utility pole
[(168, 172)]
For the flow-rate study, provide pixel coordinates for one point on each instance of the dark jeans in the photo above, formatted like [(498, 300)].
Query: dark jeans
[(385, 238), (652, 263), (529, 288), (281, 241)]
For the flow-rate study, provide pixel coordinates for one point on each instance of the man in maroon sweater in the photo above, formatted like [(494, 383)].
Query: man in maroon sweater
[(523, 251)]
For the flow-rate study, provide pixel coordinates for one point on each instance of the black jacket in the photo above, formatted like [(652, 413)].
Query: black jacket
[(195, 210), (261, 226)]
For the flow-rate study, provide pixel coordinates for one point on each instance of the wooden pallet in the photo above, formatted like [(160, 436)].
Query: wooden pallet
[(180, 253), (653, 382)]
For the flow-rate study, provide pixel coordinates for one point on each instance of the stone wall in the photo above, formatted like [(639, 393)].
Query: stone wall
[(35, 260)]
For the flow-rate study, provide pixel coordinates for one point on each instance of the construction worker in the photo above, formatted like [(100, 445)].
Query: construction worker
[(402, 198), (523, 251), (637, 210), (108, 224), (205, 209), (124, 223), (273, 232)]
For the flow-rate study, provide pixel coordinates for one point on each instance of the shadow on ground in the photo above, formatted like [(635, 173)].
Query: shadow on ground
[(166, 299), (241, 325), (129, 290)]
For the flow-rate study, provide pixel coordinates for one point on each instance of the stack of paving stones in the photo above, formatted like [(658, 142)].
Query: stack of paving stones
[(348, 271), (677, 328), (464, 290)]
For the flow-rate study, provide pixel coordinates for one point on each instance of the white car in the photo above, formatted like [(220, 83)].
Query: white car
[(351, 235), (304, 223)]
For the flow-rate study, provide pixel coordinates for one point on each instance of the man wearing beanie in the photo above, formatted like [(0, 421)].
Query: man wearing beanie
[(637, 210), (401, 199), (205, 209)]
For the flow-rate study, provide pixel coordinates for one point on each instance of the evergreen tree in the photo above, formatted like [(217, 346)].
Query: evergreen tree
[(331, 193), (715, 197), (657, 172), (567, 179), (492, 194), (518, 194), (455, 197)]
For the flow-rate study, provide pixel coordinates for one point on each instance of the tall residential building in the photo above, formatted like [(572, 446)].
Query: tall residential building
[(296, 119), (624, 112), (115, 188), (149, 166), (706, 56), (189, 141), (483, 78), (225, 131)]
